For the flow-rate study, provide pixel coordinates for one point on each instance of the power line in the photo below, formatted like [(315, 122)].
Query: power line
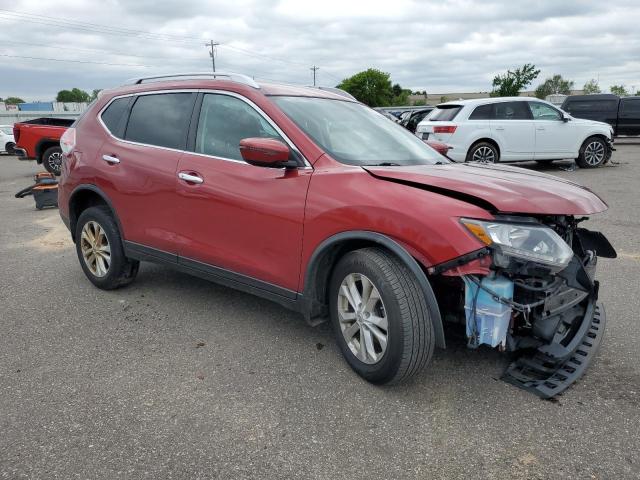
[(74, 61)]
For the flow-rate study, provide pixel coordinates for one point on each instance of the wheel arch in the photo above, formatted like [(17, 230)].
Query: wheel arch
[(83, 197), (486, 139), (325, 257), (42, 146)]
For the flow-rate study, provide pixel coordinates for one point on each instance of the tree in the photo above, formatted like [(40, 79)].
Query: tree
[(510, 84), (554, 85), (591, 87), (95, 93), (73, 95), (372, 87), (12, 100), (619, 90)]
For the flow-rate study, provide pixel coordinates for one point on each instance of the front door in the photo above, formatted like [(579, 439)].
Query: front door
[(242, 218), (555, 138)]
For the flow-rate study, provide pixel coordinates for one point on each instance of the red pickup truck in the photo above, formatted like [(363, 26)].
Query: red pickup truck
[(39, 140)]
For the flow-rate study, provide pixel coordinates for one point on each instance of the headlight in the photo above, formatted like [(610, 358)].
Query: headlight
[(528, 242)]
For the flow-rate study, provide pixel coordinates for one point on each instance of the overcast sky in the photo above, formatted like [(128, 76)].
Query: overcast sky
[(438, 46)]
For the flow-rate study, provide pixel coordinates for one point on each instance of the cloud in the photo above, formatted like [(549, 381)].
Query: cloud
[(458, 45)]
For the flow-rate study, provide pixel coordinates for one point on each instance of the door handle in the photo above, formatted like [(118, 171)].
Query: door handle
[(111, 159), (499, 128), (190, 178), (539, 128)]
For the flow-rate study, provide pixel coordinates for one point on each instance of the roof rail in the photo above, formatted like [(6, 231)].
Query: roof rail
[(234, 77)]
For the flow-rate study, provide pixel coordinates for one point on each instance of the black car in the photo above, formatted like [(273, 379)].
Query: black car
[(414, 117), (623, 114)]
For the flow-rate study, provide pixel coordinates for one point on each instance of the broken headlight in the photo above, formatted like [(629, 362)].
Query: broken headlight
[(529, 242)]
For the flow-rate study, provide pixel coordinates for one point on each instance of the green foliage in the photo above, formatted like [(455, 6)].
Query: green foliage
[(73, 95), (372, 87), (591, 87), (554, 85), (12, 100), (95, 93), (444, 99), (619, 90), (419, 103), (511, 83)]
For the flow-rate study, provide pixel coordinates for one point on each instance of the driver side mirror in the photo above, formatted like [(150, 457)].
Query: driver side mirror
[(266, 152), (565, 118)]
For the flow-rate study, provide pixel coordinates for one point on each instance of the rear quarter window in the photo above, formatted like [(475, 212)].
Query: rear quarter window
[(483, 112), (631, 106), (444, 113), (113, 116)]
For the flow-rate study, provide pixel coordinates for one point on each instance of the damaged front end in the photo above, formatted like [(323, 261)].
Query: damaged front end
[(532, 291)]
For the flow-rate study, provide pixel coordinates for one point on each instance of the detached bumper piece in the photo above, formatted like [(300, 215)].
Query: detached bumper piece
[(550, 371)]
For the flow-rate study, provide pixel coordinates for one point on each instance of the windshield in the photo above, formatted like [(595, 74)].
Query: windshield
[(355, 134)]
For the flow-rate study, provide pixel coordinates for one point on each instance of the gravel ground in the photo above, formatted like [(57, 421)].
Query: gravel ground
[(175, 377)]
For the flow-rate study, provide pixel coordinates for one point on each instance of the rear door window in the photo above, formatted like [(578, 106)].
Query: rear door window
[(161, 119), (511, 111), (631, 106), (444, 113)]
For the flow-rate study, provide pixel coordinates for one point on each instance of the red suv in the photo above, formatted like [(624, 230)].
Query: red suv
[(311, 199)]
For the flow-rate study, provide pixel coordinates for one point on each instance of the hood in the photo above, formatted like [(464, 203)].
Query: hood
[(498, 188)]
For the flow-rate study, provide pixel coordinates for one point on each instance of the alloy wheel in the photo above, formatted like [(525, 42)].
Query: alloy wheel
[(363, 318), (95, 248), (594, 153), (55, 161), (484, 155)]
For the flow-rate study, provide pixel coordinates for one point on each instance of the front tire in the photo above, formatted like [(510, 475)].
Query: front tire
[(100, 251), (52, 160), (593, 153), (380, 316), (483, 152)]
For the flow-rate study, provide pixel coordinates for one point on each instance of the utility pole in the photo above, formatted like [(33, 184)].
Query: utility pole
[(314, 69), (212, 53)]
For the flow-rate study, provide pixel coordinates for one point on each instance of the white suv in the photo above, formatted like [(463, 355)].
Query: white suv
[(510, 129), (7, 143)]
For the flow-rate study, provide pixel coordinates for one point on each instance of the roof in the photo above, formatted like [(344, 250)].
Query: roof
[(484, 101), (223, 81)]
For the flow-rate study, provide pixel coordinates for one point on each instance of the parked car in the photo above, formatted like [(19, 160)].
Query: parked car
[(623, 114), (39, 140), (441, 148), (7, 142), (513, 129), (317, 202), (411, 121)]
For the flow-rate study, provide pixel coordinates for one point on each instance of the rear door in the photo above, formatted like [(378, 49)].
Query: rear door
[(555, 138), (512, 127), (136, 165), (239, 220), (629, 116)]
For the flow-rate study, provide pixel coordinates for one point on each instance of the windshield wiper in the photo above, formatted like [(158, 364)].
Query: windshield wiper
[(384, 164)]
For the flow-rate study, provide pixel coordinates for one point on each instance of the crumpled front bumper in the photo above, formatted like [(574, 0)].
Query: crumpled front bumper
[(553, 368)]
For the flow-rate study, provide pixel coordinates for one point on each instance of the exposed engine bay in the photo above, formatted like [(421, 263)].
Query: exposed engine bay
[(530, 291)]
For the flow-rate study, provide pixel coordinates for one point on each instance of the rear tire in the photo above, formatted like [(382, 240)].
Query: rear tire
[(593, 153), (388, 355), (52, 160), (483, 152), (10, 148), (100, 251)]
